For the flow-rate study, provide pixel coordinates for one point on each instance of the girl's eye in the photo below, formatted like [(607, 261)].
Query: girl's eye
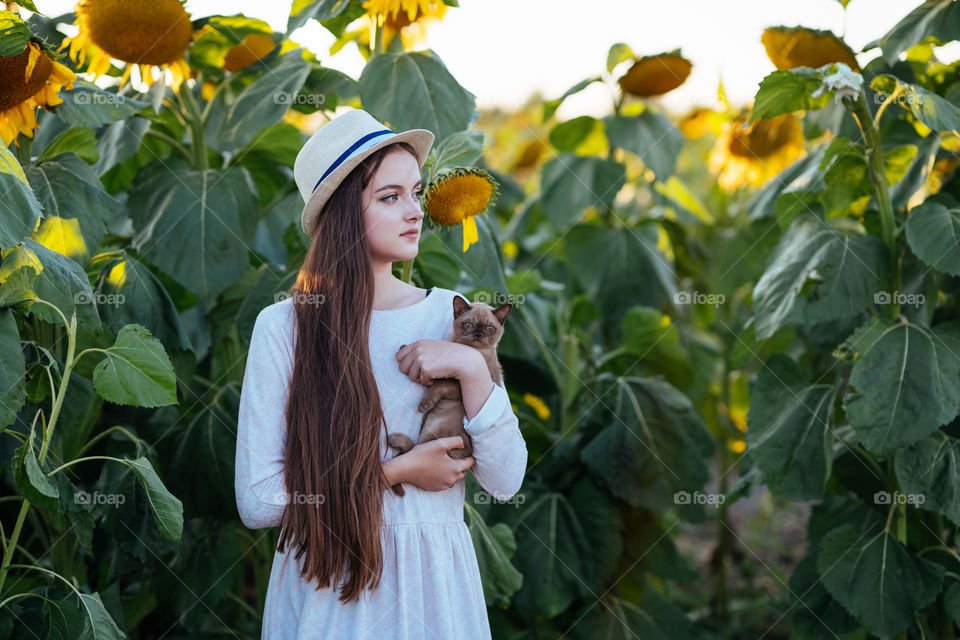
[(419, 193), (392, 195)]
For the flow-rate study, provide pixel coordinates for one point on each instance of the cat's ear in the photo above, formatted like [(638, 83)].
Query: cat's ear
[(501, 312), (459, 306)]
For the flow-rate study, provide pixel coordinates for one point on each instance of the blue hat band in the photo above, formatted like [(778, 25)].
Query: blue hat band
[(360, 145)]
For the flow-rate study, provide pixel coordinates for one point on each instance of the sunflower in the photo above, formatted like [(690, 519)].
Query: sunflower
[(788, 48), (456, 196), (410, 22), (655, 75), (28, 80), (145, 33), (753, 154), (253, 48)]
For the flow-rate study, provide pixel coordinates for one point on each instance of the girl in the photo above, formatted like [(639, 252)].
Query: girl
[(326, 380)]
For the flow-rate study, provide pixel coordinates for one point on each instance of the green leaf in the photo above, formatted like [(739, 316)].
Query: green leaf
[(196, 226), (414, 90), (19, 207), (78, 209), (136, 371), (87, 105), (800, 180), (166, 508), (617, 54), (814, 611), (785, 91), (32, 482), (131, 293), (651, 337), (571, 183), (877, 579), (931, 468), (655, 617), (937, 18), (79, 140), (817, 274), (13, 369), (63, 620), (552, 537), (435, 264), (568, 135), (630, 255), (304, 10), (461, 149), (650, 135), (933, 232), (98, 625), (951, 602), (494, 547), (788, 431), (57, 280), (14, 35), (263, 102), (655, 443), (906, 383)]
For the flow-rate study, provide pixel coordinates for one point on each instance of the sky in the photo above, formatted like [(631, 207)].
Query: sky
[(504, 50)]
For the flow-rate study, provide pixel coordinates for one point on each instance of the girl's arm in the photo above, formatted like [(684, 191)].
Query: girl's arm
[(258, 482), (498, 447)]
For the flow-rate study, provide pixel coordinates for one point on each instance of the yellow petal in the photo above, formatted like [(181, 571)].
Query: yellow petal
[(470, 234), (31, 61)]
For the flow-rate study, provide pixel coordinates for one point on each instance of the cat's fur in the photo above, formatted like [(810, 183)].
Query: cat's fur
[(477, 325)]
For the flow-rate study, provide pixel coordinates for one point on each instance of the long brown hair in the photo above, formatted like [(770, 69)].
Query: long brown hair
[(332, 468)]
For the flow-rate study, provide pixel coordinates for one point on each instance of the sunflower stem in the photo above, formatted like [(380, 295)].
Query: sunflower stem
[(195, 123), (869, 129)]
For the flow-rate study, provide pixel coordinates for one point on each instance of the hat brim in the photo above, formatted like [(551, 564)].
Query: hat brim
[(420, 139)]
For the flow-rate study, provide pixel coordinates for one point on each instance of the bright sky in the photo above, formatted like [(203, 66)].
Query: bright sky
[(503, 50)]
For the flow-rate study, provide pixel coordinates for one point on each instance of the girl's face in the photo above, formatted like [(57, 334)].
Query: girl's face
[(391, 208)]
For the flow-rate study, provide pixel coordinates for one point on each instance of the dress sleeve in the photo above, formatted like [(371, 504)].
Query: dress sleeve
[(498, 446), (261, 433)]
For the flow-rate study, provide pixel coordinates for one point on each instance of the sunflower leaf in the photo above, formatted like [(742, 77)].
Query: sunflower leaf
[(14, 34), (937, 18), (788, 91), (19, 207)]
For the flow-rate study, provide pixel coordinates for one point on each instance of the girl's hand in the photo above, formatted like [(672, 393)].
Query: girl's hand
[(430, 468), (427, 360)]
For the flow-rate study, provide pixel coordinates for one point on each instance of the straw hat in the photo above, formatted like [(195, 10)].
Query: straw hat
[(337, 148)]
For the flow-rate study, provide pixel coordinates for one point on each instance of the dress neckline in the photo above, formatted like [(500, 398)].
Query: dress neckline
[(409, 306)]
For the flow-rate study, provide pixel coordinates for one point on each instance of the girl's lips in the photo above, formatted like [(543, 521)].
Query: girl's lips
[(410, 234)]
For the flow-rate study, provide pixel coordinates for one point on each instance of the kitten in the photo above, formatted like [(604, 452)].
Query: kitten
[(477, 325)]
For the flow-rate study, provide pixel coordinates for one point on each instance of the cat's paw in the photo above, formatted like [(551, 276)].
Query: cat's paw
[(400, 442), (426, 404)]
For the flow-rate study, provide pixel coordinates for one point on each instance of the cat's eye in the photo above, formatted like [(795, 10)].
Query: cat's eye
[(488, 328), (468, 325)]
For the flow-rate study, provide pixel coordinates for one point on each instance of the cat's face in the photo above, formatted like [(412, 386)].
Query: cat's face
[(478, 325)]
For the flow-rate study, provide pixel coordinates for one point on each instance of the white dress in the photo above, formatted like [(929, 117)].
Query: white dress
[(430, 589)]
